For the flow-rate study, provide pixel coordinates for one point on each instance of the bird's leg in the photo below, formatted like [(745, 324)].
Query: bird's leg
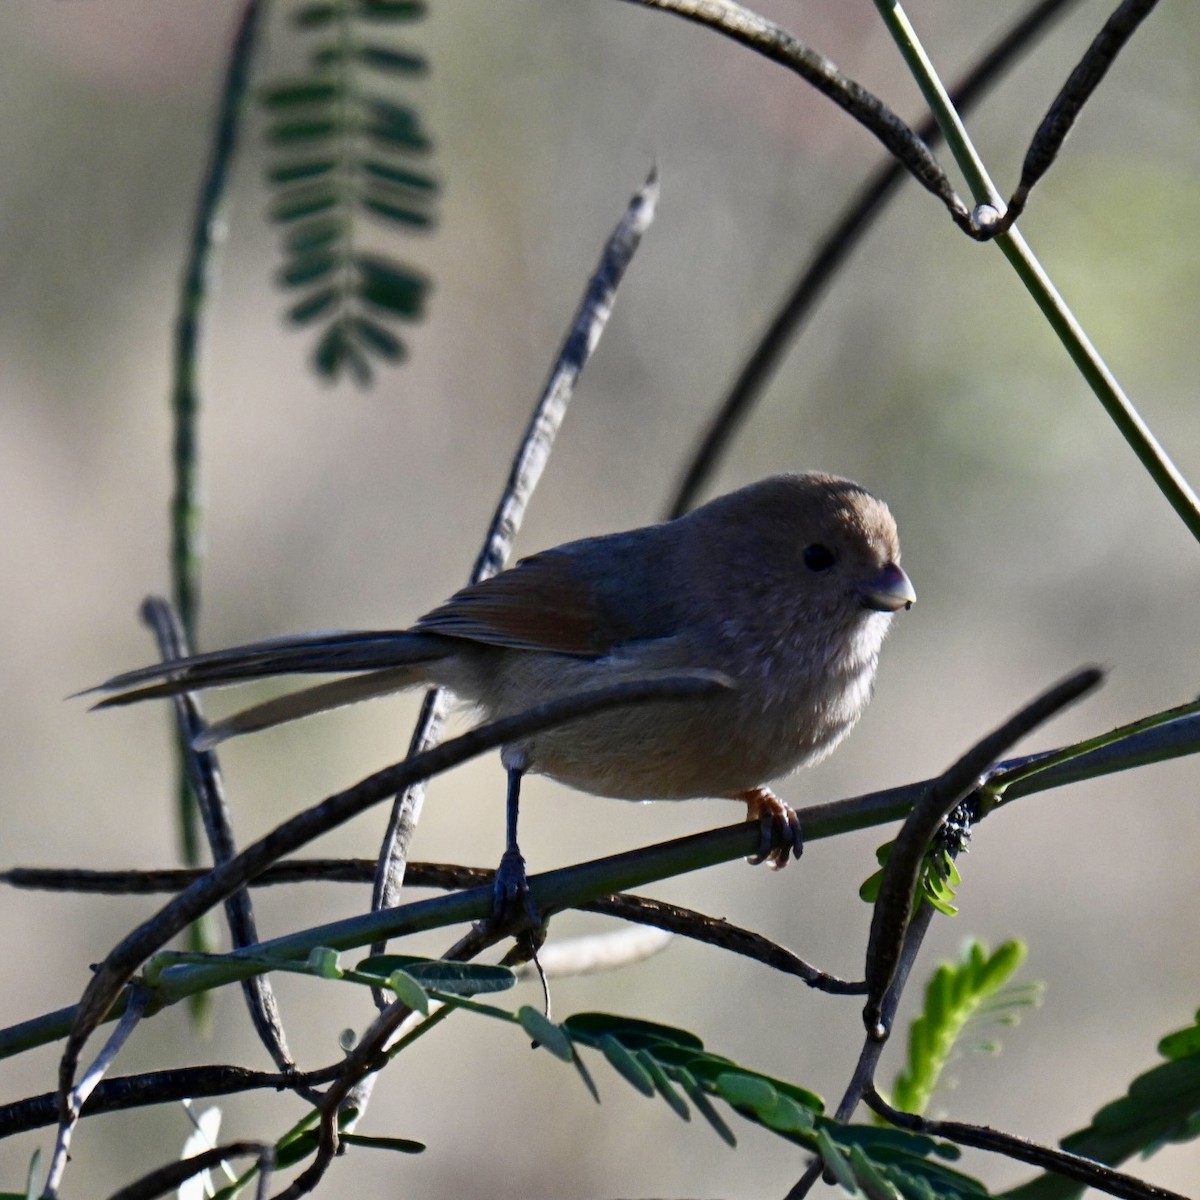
[(512, 883), (780, 836)]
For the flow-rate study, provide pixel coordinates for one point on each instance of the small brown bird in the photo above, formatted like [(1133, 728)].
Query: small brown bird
[(785, 589)]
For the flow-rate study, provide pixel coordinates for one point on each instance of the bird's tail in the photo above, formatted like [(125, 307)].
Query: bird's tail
[(387, 662)]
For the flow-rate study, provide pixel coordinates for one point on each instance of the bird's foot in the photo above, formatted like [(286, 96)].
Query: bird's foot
[(780, 836), (511, 899)]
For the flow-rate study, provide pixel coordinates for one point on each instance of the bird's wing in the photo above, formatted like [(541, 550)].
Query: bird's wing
[(548, 601)]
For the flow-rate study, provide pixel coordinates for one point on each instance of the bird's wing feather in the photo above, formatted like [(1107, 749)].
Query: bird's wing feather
[(545, 602)]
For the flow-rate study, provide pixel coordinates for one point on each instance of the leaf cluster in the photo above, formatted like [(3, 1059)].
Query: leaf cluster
[(345, 151), (1161, 1106), (673, 1065), (957, 994)]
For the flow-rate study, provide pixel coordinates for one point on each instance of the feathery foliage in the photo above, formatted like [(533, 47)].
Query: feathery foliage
[(346, 152), (1161, 1106), (958, 994)]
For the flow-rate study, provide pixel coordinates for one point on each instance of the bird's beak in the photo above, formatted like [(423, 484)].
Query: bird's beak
[(889, 591)]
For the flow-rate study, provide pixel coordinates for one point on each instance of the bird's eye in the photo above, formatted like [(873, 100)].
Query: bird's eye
[(818, 557)]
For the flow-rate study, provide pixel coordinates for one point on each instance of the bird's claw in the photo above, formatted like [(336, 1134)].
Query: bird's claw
[(780, 835), (511, 898)]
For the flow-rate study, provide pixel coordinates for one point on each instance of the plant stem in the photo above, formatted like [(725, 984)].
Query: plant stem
[(186, 511), (1091, 366)]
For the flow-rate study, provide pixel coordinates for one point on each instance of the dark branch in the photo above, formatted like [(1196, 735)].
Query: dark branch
[(1070, 1166)]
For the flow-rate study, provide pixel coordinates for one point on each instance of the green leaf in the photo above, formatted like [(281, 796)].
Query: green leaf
[(1182, 1043), (545, 1033), (591, 1026), (624, 1063), (404, 177), (390, 10), (393, 62), (32, 1177), (323, 962), (755, 1095), (316, 234), (394, 125), (308, 268), (662, 1085), (312, 307), (301, 170), (886, 1143), (409, 991), (955, 994), (388, 346), (296, 1150), (586, 1076), (703, 1106), (460, 979), (745, 1091), (306, 91), (870, 1179), (869, 888), (378, 204), (339, 142), (388, 286), (788, 1118), (336, 353), (297, 204), (400, 1145), (835, 1162), (315, 16), (312, 129), (403, 63), (709, 1067)]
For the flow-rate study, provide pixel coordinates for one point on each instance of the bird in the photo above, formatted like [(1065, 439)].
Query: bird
[(783, 590)]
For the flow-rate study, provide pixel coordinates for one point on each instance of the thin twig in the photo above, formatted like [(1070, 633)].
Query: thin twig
[(530, 461), (773, 42), (717, 932), (169, 1178), (1060, 1162), (117, 1093), (369, 1056), (901, 873), (72, 1101), (832, 252), (207, 233), (862, 1079), (1067, 105), (204, 774)]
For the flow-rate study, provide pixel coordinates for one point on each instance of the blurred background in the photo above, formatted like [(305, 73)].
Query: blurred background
[(1035, 541)]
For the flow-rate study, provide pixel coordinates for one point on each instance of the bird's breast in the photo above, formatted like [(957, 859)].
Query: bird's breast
[(787, 709)]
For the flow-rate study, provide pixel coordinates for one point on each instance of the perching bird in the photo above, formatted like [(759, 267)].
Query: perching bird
[(785, 589)]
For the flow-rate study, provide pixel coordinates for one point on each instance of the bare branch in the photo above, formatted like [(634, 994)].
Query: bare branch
[(901, 874), (204, 773), (775, 43)]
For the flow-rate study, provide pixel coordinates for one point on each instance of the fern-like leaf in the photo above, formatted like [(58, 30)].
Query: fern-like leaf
[(658, 1060), (975, 987), (1161, 1106), (346, 154)]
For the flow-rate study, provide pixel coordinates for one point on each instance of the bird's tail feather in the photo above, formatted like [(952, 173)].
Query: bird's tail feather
[(307, 701), (305, 654)]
